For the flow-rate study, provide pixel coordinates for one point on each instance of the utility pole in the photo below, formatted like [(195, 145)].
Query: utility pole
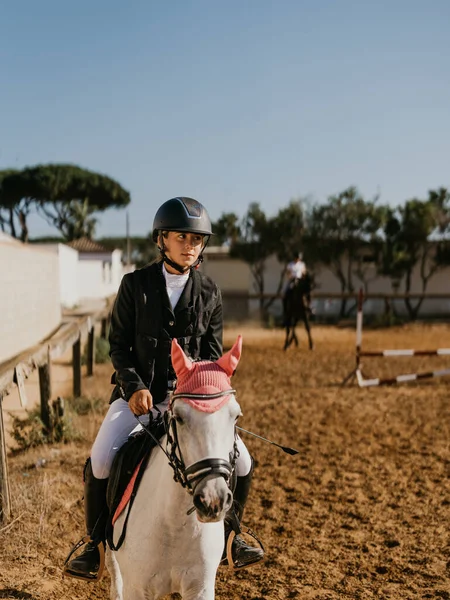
[(128, 242)]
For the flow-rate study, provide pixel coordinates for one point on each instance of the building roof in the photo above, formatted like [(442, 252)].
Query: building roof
[(84, 244)]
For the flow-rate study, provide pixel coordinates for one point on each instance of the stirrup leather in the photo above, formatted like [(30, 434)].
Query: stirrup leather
[(246, 530), (101, 548)]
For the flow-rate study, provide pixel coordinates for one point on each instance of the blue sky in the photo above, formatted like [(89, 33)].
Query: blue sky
[(229, 102)]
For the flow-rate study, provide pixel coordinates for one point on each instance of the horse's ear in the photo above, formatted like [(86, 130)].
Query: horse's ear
[(229, 361), (181, 363)]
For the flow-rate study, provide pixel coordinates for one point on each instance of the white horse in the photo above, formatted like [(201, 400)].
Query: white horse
[(170, 547)]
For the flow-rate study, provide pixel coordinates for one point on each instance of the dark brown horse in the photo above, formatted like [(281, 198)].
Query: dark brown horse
[(296, 307)]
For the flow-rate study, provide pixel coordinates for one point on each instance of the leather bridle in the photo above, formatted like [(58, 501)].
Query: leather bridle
[(190, 477)]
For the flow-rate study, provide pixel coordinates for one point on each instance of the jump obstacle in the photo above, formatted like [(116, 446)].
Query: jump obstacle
[(357, 371)]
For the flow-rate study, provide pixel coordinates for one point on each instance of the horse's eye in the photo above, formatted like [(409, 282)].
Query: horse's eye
[(179, 420)]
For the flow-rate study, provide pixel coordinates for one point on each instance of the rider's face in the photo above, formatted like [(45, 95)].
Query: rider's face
[(183, 248)]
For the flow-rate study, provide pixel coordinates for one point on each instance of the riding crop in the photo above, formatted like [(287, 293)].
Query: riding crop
[(284, 448)]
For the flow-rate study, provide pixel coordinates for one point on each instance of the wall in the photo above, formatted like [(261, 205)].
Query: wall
[(232, 276), (30, 301), (68, 272), (117, 269), (228, 273), (68, 276), (99, 275), (85, 275)]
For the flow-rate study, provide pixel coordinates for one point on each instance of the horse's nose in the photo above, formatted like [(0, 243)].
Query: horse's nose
[(212, 507), (228, 500), (207, 507)]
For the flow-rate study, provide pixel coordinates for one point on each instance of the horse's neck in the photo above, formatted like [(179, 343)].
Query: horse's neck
[(166, 548), (158, 478), (301, 285)]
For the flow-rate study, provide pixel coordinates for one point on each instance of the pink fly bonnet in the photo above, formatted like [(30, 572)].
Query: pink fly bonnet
[(206, 385)]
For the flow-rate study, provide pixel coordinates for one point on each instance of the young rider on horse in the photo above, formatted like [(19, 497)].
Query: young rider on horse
[(164, 300), (296, 269)]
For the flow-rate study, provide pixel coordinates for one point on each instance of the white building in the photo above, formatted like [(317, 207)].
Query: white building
[(100, 270), (67, 270), (87, 271), (39, 280), (30, 305)]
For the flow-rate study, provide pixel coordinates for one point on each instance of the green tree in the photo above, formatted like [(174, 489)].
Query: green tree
[(415, 237), (65, 195), (254, 245), (288, 233), (340, 233), (226, 229), (79, 221), (9, 211), (255, 238)]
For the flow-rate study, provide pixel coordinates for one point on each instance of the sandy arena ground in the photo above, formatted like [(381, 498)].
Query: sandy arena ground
[(361, 512)]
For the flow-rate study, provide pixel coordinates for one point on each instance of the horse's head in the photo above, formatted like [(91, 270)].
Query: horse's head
[(202, 418)]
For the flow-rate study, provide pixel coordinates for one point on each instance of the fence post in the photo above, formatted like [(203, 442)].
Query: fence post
[(5, 498), (90, 351), (76, 361), (103, 328), (45, 389)]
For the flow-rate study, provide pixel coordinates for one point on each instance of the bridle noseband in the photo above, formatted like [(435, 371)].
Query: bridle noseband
[(190, 477)]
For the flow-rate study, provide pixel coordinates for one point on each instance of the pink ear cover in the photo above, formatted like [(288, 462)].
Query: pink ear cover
[(229, 361), (205, 377), (181, 363)]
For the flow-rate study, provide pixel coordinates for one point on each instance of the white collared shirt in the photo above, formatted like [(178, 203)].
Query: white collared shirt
[(175, 285), (296, 269)]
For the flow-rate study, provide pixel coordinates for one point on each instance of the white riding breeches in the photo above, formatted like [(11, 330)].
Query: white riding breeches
[(117, 426)]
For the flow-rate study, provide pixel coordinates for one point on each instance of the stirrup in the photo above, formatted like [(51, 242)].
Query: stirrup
[(66, 570), (243, 529)]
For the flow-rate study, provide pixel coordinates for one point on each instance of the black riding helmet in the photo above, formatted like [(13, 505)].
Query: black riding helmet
[(181, 214)]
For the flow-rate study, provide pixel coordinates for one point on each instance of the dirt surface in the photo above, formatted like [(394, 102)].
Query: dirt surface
[(361, 512)]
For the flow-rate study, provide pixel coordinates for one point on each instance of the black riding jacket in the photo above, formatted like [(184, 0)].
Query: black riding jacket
[(143, 325)]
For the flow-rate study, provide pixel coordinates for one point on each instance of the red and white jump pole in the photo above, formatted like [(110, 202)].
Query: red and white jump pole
[(357, 371)]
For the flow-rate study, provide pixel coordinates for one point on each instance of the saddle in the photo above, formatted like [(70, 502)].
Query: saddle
[(126, 474)]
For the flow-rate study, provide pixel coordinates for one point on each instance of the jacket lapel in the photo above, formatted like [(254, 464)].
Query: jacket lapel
[(185, 300), (185, 311), (191, 293), (156, 290), (157, 301), (168, 314)]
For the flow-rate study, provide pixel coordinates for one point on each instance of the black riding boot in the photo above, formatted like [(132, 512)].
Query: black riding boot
[(87, 564), (242, 554)]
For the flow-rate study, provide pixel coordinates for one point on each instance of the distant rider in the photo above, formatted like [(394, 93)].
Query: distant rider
[(296, 269)]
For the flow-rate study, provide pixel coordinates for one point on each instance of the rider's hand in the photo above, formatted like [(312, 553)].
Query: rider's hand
[(140, 402)]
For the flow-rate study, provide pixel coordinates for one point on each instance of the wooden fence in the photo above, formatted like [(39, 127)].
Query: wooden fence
[(343, 296), (14, 371)]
